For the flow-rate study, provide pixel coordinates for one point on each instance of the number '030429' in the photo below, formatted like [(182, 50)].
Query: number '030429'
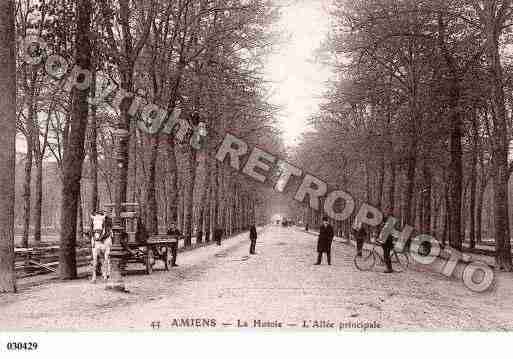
[(22, 346)]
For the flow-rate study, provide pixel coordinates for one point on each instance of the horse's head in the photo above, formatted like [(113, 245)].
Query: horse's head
[(98, 227)]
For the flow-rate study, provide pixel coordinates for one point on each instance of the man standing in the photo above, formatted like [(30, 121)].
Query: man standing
[(173, 231), (324, 241), (387, 246), (252, 238), (218, 235)]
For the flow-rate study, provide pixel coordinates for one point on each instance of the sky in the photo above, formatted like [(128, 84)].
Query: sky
[(297, 80)]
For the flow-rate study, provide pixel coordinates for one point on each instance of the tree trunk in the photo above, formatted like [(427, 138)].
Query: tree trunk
[(151, 199), (473, 181), (7, 144), (93, 151), (446, 215), (413, 216), (38, 200), (180, 210), (435, 222), (80, 219), (455, 171), (201, 187), (221, 189), (426, 201), (391, 189), (411, 162), (381, 181), (74, 152), (479, 210), (409, 207), (500, 147), (200, 221), (133, 163), (173, 181), (367, 184), (466, 187), (215, 196), (186, 160), (501, 217), (27, 187), (207, 210)]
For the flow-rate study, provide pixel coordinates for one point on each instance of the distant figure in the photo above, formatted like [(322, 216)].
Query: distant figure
[(218, 235), (173, 231), (359, 235), (324, 242), (307, 227), (252, 238)]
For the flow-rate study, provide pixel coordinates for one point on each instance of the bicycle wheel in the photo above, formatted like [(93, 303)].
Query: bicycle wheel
[(366, 261), (400, 261)]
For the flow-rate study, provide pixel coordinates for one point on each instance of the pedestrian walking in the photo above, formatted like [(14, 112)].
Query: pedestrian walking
[(218, 235), (174, 231), (324, 242), (253, 239)]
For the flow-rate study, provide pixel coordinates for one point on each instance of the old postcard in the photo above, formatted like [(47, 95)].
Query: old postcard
[(285, 166)]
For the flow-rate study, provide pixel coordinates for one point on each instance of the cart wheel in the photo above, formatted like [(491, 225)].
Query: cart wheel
[(149, 261), (167, 258)]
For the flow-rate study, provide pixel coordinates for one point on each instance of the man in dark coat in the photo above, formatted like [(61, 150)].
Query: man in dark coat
[(324, 242), (173, 231), (252, 238), (387, 246), (218, 235)]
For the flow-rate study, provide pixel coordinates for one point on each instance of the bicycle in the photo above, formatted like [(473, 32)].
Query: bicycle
[(367, 260)]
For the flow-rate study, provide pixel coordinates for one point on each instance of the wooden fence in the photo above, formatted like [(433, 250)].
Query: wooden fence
[(45, 259)]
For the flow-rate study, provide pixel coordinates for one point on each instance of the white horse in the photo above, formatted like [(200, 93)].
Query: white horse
[(101, 242)]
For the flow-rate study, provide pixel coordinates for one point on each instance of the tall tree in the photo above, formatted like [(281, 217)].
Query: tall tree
[(494, 16), (74, 152), (7, 144)]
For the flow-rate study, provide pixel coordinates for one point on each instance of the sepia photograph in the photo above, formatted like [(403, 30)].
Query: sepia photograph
[(252, 166)]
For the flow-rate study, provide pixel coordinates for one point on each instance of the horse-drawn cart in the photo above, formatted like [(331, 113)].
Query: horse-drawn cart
[(156, 247), (143, 248)]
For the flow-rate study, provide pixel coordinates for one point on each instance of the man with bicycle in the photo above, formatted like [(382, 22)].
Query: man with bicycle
[(387, 245), (359, 233), (385, 240)]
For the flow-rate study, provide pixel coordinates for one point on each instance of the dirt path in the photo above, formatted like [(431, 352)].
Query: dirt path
[(278, 285)]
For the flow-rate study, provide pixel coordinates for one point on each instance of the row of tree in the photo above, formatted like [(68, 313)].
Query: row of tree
[(203, 57), (417, 120)]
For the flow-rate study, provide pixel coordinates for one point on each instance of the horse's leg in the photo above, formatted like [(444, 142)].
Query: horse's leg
[(95, 263), (108, 245), (101, 253), (105, 263)]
